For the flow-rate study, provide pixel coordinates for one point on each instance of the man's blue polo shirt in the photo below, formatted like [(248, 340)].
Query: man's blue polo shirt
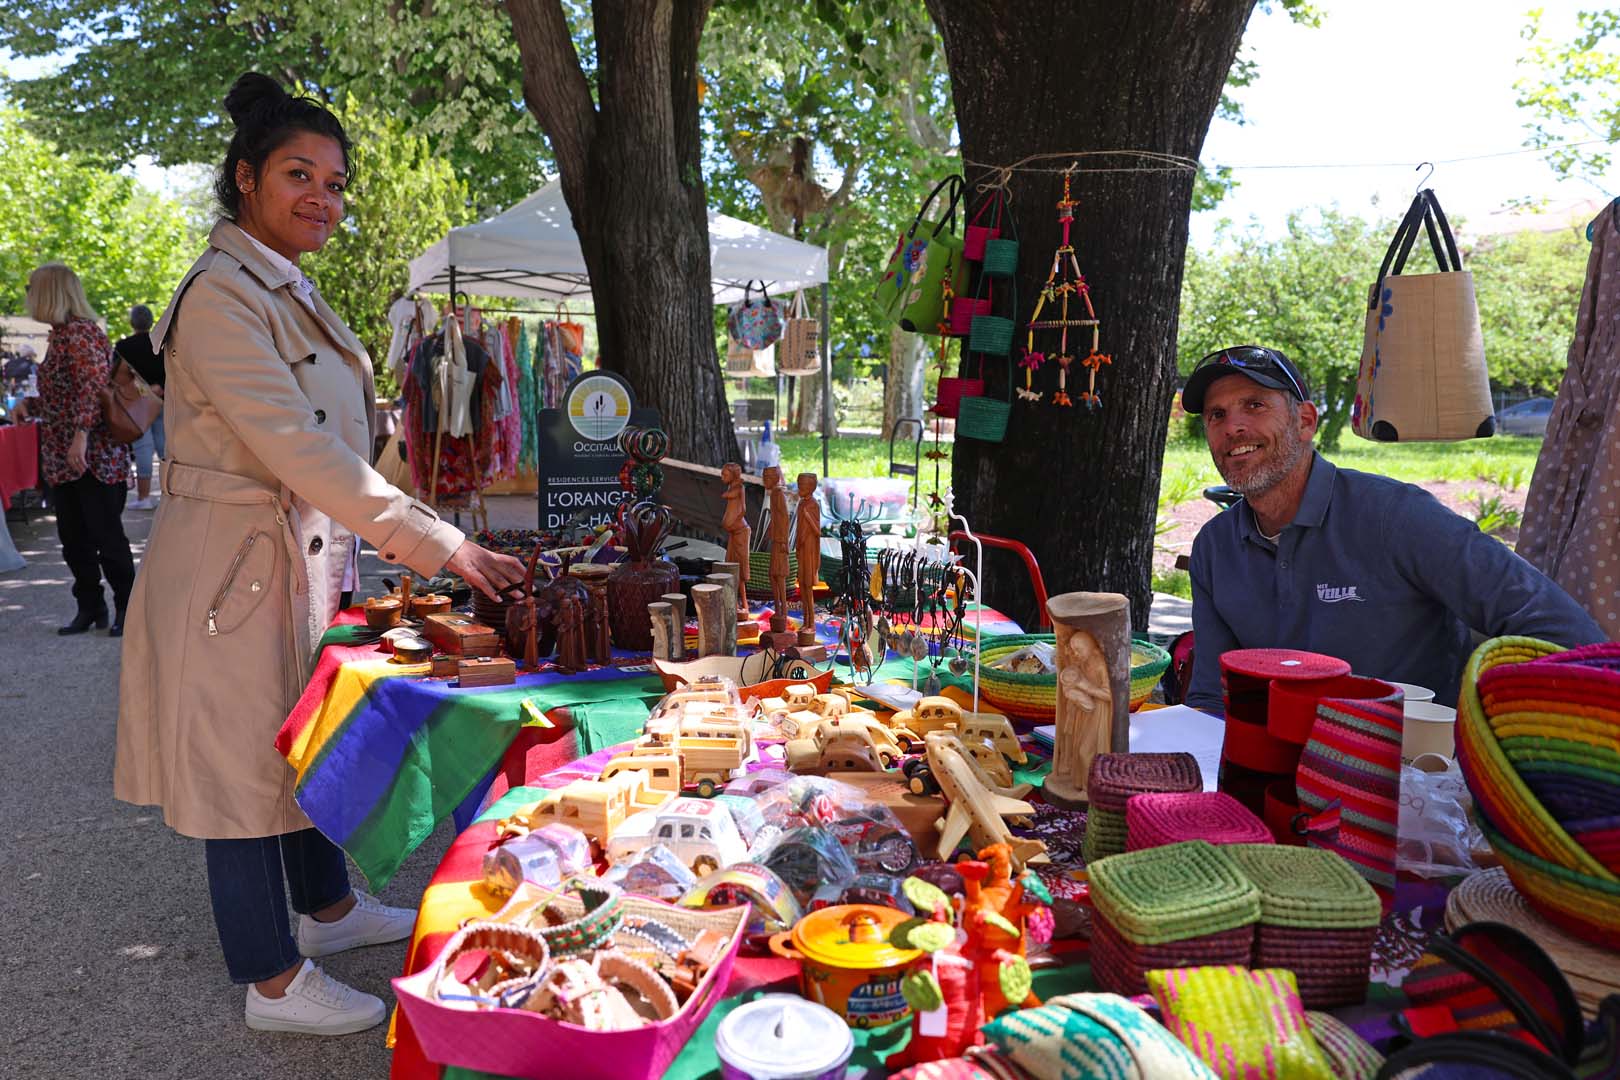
[(1373, 571)]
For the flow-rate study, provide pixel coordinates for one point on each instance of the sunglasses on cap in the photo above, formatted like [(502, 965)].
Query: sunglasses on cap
[(1256, 358)]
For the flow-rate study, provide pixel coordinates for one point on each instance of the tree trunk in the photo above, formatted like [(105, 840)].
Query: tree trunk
[(807, 419), (908, 364), (632, 176), (1076, 75)]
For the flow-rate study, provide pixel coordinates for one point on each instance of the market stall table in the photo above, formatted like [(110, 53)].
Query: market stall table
[(19, 460)]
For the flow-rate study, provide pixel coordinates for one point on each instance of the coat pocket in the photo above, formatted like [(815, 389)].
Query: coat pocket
[(249, 578)]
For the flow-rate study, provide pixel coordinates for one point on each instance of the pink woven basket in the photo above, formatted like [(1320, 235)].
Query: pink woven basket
[(963, 311), (1156, 819)]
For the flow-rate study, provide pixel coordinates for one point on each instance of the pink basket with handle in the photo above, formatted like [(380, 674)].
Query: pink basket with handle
[(951, 392), (518, 1043), (963, 311), (976, 235)]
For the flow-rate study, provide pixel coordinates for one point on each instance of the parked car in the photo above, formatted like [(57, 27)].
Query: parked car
[(1525, 418)]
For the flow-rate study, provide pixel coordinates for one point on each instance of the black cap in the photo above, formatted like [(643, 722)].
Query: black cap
[(1268, 367)]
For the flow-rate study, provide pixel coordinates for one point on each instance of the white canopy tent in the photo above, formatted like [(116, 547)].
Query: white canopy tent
[(532, 251)]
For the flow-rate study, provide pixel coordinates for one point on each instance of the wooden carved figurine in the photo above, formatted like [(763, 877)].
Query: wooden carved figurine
[(728, 603), (664, 629), (777, 501), (739, 537), (598, 639), (1094, 684), (807, 536), (713, 617), (677, 643), (523, 617), (571, 633)]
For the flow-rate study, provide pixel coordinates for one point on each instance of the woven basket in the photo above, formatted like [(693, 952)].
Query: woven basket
[(1351, 1056), (1114, 778), (991, 335), (1105, 834), (952, 392), (1169, 893), (1148, 665), (1512, 685), (1156, 819), (1307, 888), (759, 574), (799, 351), (1027, 697), (1000, 257), (1333, 967), (964, 309), (1120, 966), (983, 418)]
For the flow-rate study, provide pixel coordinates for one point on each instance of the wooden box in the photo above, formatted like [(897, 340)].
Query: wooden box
[(487, 671), (461, 635)]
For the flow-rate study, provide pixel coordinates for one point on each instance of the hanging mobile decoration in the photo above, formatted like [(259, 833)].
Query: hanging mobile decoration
[(1063, 283)]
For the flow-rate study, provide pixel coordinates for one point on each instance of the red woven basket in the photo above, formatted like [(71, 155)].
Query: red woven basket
[(1118, 966), (1154, 820), (952, 391)]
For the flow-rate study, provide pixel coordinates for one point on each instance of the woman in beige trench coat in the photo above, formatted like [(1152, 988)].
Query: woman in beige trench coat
[(267, 483)]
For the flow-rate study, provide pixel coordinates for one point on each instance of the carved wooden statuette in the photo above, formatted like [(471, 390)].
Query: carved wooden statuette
[(807, 534), (677, 644), (1094, 687), (665, 630), (571, 633), (739, 537), (780, 527), (728, 600), (598, 639), (713, 618), (523, 616)]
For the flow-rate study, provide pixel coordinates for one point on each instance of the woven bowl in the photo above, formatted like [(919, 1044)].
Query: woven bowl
[(1531, 709), (1034, 697)]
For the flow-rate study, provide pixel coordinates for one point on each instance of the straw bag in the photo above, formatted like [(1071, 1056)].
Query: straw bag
[(1423, 374), (799, 351), (755, 321), (984, 418), (924, 258), (745, 363)]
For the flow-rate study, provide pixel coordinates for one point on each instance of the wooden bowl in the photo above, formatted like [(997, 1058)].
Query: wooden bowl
[(429, 604), (383, 612)]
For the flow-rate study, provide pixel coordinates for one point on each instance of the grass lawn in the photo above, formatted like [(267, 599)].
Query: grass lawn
[(857, 457)]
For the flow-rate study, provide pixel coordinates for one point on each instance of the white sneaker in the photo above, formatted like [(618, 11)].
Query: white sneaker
[(314, 1004), (148, 503), (369, 922)]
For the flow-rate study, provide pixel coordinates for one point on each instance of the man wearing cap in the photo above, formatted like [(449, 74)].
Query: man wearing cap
[(1329, 560)]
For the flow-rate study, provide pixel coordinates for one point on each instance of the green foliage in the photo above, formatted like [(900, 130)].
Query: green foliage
[(148, 77), (127, 245), (1174, 582), (402, 193), (1303, 293), (1571, 90), (1528, 286), (1494, 515)]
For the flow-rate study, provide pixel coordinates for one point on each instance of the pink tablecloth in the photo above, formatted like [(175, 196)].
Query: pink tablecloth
[(19, 460)]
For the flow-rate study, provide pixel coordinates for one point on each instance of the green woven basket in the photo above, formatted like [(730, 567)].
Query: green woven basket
[(1000, 257), (1171, 893), (991, 335), (759, 574), (1105, 834), (983, 418), (1308, 888), (1034, 697)]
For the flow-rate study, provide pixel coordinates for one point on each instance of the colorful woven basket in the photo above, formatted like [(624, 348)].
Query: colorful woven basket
[(1174, 892), (1538, 739), (1120, 966), (1105, 834), (1034, 697), (1114, 778), (1160, 818)]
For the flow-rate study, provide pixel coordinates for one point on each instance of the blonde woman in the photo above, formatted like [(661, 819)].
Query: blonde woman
[(87, 472)]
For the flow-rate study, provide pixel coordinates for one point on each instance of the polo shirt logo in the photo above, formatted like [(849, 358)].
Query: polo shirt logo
[(1332, 594)]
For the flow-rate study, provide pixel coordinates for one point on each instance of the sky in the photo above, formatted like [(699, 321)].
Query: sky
[(1319, 100)]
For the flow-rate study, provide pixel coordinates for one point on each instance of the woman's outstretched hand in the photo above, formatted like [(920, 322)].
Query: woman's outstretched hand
[(490, 572)]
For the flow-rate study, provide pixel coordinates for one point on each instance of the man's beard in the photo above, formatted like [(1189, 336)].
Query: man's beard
[(1268, 476)]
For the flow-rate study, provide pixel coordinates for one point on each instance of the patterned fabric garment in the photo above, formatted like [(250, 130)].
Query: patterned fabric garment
[(76, 367), (1572, 513)]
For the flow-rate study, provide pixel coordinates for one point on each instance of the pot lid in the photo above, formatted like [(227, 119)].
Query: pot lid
[(783, 1036), (852, 936)]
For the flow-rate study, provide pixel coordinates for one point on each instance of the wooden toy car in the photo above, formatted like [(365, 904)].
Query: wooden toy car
[(844, 744), (795, 697), (700, 832), (596, 808), (992, 729)]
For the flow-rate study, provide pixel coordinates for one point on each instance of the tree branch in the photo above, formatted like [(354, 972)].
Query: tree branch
[(554, 85)]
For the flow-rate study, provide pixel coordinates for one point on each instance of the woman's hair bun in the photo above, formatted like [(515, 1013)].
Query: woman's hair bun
[(250, 93)]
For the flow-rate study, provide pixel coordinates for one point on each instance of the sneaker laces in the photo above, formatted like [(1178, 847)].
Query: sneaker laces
[(322, 989), (364, 901)]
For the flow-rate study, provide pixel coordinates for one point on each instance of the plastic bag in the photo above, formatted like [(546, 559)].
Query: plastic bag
[(871, 834), (1437, 835), (1037, 659), (653, 872), (547, 856)]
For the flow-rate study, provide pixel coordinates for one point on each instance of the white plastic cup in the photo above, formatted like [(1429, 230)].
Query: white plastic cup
[(1428, 729), (1411, 691)]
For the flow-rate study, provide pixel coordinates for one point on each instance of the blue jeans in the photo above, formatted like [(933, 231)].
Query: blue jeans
[(150, 442), (249, 894)]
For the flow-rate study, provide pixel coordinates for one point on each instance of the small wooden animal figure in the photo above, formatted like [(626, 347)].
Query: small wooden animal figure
[(739, 537), (571, 633), (598, 638), (807, 534), (780, 526)]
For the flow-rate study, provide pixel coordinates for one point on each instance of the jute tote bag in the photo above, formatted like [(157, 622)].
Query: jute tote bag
[(1423, 375)]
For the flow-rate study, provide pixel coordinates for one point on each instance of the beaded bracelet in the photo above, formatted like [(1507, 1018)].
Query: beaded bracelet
[(603, 912)]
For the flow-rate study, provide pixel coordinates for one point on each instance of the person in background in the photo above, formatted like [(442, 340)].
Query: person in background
[(136, 351), (267, 490), (1329, 560), (87, 472)]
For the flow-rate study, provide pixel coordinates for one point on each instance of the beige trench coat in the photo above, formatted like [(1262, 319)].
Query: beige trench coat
[(268, 410)]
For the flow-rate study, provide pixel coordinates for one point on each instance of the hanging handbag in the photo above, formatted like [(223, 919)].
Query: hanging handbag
[(925, 257), (799, 351), (745, 363), (129, 404), (975, 236), (755, 321), (1423, 374)]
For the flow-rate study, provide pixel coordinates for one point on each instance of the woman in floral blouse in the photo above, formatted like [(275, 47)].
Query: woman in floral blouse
[(88, 473)]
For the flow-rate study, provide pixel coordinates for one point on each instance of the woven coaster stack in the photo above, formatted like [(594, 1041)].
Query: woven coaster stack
[(1252, 756), (1181, 905), (1318, 919), (1154, 820), (1114, 778)]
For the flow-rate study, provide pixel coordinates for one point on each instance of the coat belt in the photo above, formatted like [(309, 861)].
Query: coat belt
[(212, 485)]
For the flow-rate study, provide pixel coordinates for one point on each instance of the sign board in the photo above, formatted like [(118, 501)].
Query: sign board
[(578, 449)]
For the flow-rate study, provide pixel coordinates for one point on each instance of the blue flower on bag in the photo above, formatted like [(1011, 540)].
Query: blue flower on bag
[(1386, 310), (916, 256)]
